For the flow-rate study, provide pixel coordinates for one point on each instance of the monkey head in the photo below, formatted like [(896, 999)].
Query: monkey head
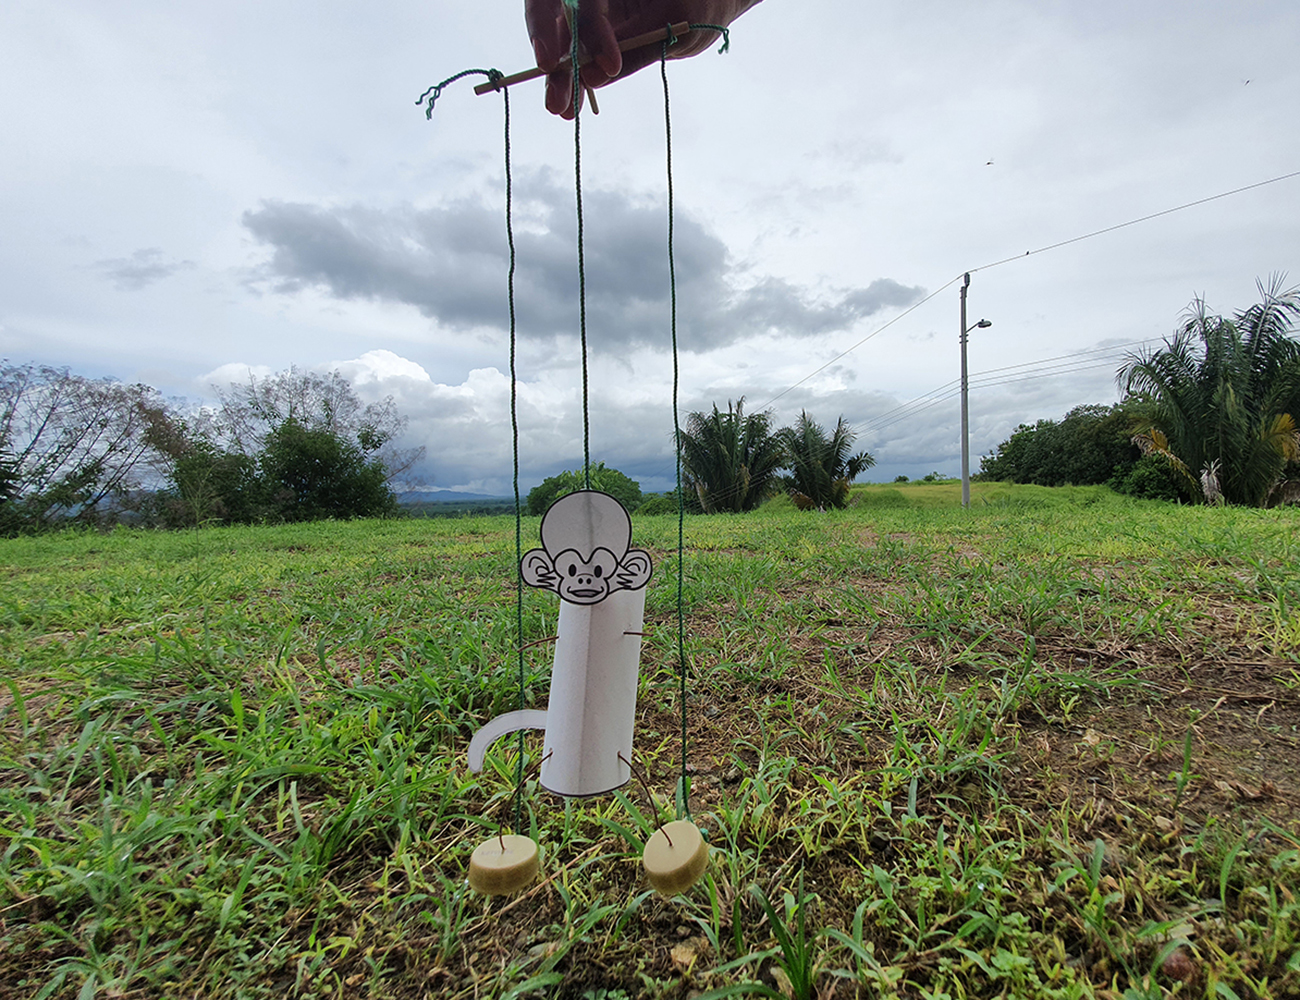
[(585, 554)]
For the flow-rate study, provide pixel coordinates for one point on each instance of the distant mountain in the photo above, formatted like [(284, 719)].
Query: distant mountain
[(448, 496)]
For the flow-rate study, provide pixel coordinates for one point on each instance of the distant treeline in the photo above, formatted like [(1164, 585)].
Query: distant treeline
[(468, 508)]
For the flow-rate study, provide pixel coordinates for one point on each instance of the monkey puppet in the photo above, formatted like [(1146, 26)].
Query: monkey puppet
[(587, 559)]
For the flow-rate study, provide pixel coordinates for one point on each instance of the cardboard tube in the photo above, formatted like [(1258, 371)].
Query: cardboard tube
[(592, 707)]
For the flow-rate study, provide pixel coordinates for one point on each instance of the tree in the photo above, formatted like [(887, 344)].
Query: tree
[(1225, 398), (730, 461), (311, 474), (626, 491), (667, 503), (249, 413), (75, 449), (1091, 444), (211, 486), (268, 450), (821, 466)]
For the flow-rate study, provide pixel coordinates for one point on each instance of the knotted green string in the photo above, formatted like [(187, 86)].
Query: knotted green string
[(726, 35), (433, 93), (430, 97), (582, 264)]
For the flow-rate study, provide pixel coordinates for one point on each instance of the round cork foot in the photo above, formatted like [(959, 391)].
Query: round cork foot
[(675, 857), (503, 865)]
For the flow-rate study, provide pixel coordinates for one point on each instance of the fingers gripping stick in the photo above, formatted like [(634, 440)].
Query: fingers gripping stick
[(627, 45)]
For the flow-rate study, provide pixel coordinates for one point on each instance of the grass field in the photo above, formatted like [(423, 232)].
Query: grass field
[(1046, 747)]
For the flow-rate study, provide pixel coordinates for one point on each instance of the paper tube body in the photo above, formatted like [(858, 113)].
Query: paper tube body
[(592, 708)]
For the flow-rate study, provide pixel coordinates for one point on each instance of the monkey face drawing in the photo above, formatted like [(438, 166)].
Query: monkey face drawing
[(585, 554), (585, 581)]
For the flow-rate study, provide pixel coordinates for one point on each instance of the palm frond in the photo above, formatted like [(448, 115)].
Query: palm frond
[(1218, 388), (821, 467)]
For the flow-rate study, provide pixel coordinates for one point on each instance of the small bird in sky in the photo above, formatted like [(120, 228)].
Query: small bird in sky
[(989, 164)]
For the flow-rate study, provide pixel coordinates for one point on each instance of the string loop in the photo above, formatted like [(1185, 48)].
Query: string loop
[(433, 93), (726, 34)]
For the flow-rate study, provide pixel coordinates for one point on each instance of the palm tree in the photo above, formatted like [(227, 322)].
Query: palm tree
[(729, 460), (1225, 397), (821, 467)]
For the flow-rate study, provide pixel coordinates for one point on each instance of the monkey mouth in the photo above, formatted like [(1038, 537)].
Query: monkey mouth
[(585, 594)]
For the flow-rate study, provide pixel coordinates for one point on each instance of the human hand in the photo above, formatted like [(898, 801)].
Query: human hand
[(601, 23)]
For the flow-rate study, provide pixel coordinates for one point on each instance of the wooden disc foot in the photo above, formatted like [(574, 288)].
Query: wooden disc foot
[(503, 865), (675, 857)]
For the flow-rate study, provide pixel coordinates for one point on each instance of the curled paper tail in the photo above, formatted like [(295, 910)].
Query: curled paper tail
[(511, 722)]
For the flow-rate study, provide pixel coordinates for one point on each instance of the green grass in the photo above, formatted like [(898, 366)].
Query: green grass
[(1032, 749)]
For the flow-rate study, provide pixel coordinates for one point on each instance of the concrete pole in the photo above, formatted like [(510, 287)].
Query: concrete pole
[(965, 414)]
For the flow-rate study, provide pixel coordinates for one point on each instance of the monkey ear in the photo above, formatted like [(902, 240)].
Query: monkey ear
[(634, 571), (538, 570)]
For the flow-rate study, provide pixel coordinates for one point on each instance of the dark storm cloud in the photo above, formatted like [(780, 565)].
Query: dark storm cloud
[(450, 263), (142, 268)]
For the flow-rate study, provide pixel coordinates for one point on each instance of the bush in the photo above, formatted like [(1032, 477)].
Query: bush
[(210, 486), (311, 475), (730, 460), (1082, 449), (1149, 478), (626, 491), (659, 504), (821, 464)]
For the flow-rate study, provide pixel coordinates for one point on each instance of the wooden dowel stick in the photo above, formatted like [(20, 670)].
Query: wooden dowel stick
[(636, 42)]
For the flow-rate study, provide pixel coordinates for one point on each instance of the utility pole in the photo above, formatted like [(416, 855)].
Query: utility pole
[(965, 393)]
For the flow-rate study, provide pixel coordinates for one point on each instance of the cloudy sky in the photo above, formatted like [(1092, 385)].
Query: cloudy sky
[(193, 192)]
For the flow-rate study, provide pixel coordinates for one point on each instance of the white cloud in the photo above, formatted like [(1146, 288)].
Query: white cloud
[(231, 373), (379, 366), (379, 235)]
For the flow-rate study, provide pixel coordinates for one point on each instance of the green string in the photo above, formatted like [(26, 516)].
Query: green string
[(726, 35), (432, 95), (514, 441), (582, 268), (683, 786), (684, 798)]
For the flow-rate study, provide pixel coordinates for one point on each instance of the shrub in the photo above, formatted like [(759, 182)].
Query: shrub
[(1149, 478), (626, 491), (312, 475), (659, 504)]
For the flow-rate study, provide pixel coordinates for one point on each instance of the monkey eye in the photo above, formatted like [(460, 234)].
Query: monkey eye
[(573, 570), (599, 571)]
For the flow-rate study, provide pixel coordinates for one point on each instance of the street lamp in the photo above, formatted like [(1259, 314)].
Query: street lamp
[(965, 392)]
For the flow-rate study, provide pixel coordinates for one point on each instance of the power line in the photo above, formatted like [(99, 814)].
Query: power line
[(1061, 364), (929, 399), (1134, 222), (1067, 361), (873, 333), (1027, 253), (1064, 364)]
